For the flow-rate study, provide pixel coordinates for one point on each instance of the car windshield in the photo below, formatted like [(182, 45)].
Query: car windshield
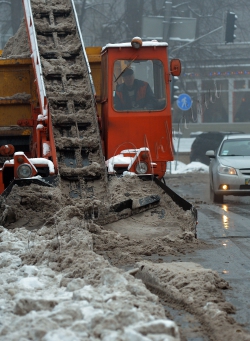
[(139, 85), (240, 147)]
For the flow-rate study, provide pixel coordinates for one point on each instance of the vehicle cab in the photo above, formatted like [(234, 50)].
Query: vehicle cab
[(136, 106)]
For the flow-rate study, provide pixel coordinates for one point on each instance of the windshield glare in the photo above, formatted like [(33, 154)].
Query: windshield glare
[(235, 148), (139, 85)]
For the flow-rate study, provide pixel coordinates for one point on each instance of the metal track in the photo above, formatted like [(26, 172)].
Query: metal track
[(69, 89)]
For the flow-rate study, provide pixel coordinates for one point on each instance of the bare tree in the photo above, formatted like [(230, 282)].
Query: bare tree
[(102, 21), (5, 23)]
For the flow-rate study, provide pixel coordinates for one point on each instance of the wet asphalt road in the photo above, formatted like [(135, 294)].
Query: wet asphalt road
[(226, 227)]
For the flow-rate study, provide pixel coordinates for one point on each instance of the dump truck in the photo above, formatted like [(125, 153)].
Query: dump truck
[(64, 118)]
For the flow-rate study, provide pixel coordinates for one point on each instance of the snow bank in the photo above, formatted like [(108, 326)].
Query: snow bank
[(178, 167), (38, 303)]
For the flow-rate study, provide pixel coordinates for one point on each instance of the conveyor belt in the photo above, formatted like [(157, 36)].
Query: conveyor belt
[(68, 89)]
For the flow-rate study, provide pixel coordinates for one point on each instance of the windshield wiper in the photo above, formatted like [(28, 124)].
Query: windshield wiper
[(125, 69)]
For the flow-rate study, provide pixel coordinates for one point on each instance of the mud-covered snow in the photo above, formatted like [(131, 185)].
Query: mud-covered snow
[(65, 278), (104, 303)]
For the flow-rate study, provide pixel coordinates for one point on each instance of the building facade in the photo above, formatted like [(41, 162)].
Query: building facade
[(216, 75)]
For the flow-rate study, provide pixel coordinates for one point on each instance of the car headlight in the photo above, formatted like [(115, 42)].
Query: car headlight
[(24, 171), (227, 170), (141, 168)]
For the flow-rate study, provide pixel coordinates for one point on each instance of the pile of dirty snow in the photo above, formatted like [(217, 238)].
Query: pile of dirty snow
[(39, 303)]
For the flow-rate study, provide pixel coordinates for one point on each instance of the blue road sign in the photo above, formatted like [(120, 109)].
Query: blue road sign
[(184, 102)]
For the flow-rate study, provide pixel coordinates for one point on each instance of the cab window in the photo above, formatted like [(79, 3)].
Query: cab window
[(139, 85)]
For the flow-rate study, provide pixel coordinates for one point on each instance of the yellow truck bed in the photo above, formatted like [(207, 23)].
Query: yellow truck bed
[(17, 91)]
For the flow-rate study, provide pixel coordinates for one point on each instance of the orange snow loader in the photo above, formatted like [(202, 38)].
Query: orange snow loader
[(137, 137), (128, 87)]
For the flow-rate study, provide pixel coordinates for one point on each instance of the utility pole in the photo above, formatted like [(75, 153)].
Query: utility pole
[(134, 13), (167, 19)]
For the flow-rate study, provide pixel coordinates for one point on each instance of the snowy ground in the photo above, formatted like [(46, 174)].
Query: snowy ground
[(38, 303), (178, 167), (54, 286)]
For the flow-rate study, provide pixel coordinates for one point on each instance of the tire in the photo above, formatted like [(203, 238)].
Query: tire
[(216, 198)]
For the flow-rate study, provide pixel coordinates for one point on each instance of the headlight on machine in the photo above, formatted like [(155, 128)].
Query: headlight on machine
[(141, 168), (227, 170), (24, 171)]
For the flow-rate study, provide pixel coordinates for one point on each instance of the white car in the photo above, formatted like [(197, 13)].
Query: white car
[(229, 168)]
